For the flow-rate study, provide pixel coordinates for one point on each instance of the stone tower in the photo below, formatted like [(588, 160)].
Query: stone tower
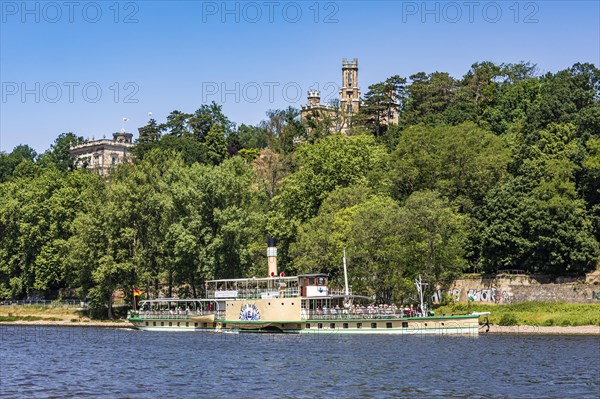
[(349, 93)]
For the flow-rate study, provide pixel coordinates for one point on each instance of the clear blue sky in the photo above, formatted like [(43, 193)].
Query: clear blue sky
[(82, 66)]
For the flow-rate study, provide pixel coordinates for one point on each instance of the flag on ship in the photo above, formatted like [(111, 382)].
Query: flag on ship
[(137, 292)]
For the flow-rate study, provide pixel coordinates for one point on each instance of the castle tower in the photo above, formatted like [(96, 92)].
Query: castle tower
[(314, 98), (349, 93)]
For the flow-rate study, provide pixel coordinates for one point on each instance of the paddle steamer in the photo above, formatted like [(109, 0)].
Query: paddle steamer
[(292, 304)]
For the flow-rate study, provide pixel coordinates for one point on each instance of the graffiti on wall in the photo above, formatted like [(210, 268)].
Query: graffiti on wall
[(493, 295), (438, 295), (488, 295)]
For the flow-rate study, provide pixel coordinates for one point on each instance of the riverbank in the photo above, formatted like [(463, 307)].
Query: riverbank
[(535, 314), (67, 323), (542, 330)]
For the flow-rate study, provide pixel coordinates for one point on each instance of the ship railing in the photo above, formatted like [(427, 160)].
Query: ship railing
[(173, 314), (255, 293), (345, 314)]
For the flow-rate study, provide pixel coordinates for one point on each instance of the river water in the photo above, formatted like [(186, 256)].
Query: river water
[(46, 362)]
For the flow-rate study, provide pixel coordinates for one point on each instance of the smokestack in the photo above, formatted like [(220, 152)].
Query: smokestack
[(271, 257)]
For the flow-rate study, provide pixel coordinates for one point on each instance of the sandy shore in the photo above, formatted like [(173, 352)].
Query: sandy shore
[(552, 330), (66, 323)]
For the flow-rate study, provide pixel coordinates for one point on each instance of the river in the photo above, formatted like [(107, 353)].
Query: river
[(47, 362)]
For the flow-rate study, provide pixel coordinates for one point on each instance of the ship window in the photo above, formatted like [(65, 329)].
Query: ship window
[(269, 303), (146, 323), (320, 325), (442, 323), (205, 325), (282, 325), (187, 324), (154, 323), (307, 325), (321, 281), (281, 303), (388, 325), (405, 324), (373, 325), (177, 324), (224, 325), (425, 324), (345, 325), (332, 325), (170, 324), (358, 325), (195, 324), (162, 323)]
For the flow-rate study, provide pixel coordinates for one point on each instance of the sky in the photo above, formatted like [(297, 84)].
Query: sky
[(84, 66)]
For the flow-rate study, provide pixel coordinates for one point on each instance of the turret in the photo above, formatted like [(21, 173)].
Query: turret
[(314, 98)]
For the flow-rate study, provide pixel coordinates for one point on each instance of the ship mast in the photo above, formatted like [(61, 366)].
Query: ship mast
[(347, 291), (419, 284)]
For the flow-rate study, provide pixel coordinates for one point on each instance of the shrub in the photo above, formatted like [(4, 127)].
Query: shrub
[(508, 319)]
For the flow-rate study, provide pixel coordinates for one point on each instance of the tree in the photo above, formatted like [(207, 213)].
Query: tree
[(149, 133), (9, 162), (216, 145), (59, 154), (433, 237), (381, 105), (330, 163), (461, 162), (429, 96), (206, 118), (284, 129)]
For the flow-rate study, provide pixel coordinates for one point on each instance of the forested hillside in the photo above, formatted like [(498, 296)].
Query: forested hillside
[(499, 169)]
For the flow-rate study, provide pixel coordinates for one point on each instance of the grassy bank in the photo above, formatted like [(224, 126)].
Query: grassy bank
[(531, 313), (17, 313)]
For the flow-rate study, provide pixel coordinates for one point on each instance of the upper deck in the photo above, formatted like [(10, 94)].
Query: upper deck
[(305, 286)]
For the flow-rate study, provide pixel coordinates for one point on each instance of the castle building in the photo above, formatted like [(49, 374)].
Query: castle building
[(338, 116), (104, 154)]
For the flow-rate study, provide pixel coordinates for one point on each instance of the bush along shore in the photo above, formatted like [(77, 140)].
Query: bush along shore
[(538, 314)]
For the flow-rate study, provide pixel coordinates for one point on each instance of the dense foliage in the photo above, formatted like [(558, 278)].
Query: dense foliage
[(498, 169)]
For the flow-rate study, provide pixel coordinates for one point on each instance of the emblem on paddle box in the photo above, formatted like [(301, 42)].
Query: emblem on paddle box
[(249, 312)]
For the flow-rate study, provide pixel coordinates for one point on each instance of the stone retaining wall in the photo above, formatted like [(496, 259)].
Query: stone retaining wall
[(521, 288)]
